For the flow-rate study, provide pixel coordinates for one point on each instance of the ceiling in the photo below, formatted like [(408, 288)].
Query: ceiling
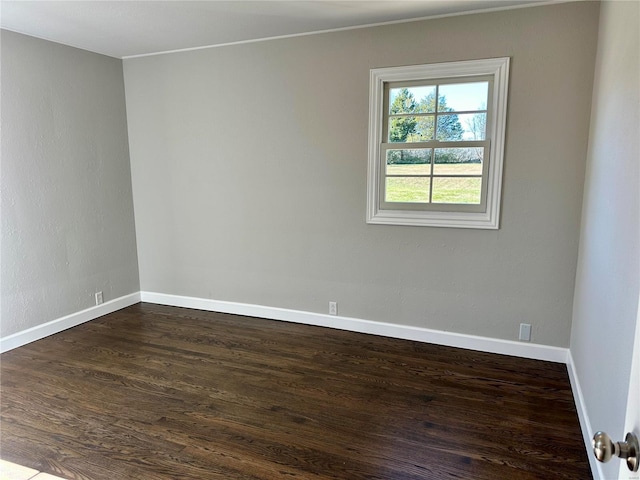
[(128, 28)]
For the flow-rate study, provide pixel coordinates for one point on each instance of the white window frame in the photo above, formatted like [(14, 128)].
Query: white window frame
[(377, 211)]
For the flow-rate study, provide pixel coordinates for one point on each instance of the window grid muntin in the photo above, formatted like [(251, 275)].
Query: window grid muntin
[(433, 145), (450, 207), (434, 142), (437, 82)]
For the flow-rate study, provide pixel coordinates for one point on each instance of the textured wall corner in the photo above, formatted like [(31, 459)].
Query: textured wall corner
[(67, 209)]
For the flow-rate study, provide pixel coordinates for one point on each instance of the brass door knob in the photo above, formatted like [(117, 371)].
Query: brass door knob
[(604, 449)]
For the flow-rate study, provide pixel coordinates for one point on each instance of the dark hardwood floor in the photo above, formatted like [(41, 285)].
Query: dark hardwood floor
[(155, 392)]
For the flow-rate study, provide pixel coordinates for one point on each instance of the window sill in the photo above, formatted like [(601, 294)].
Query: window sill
[(434, 219)]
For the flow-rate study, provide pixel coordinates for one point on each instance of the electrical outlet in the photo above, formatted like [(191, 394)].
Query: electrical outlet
[(99, 298), (333, 308), (525, 332)]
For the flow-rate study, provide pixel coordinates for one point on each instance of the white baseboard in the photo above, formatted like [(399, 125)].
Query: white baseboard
[(407, 332), (585, 423), (58, 325)]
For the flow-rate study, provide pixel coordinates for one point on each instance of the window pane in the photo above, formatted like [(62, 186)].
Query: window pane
[(460, 97), (413, 161), (474, 126), (407, 189), (449, 128), (411, 129), (412, 99), (462, 169), (457, 190), (458, 161)]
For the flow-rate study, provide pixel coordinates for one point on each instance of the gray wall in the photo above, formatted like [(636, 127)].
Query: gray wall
[(608, 275), (249, 176), (67, 213)]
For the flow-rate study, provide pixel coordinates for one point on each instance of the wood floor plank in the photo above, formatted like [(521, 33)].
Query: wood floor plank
[(156, 392)]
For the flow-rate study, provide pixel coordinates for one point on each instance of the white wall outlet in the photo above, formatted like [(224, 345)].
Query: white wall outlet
[(525, 332), (333, 308), (99, 299)]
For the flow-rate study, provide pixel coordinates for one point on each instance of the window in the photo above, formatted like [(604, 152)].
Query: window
[(436, 141)]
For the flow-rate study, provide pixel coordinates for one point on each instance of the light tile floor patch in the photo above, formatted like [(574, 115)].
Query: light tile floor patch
[(46, 476), (12, 471)]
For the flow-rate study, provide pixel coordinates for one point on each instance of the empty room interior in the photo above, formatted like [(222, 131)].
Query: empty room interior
[(320, 240)]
